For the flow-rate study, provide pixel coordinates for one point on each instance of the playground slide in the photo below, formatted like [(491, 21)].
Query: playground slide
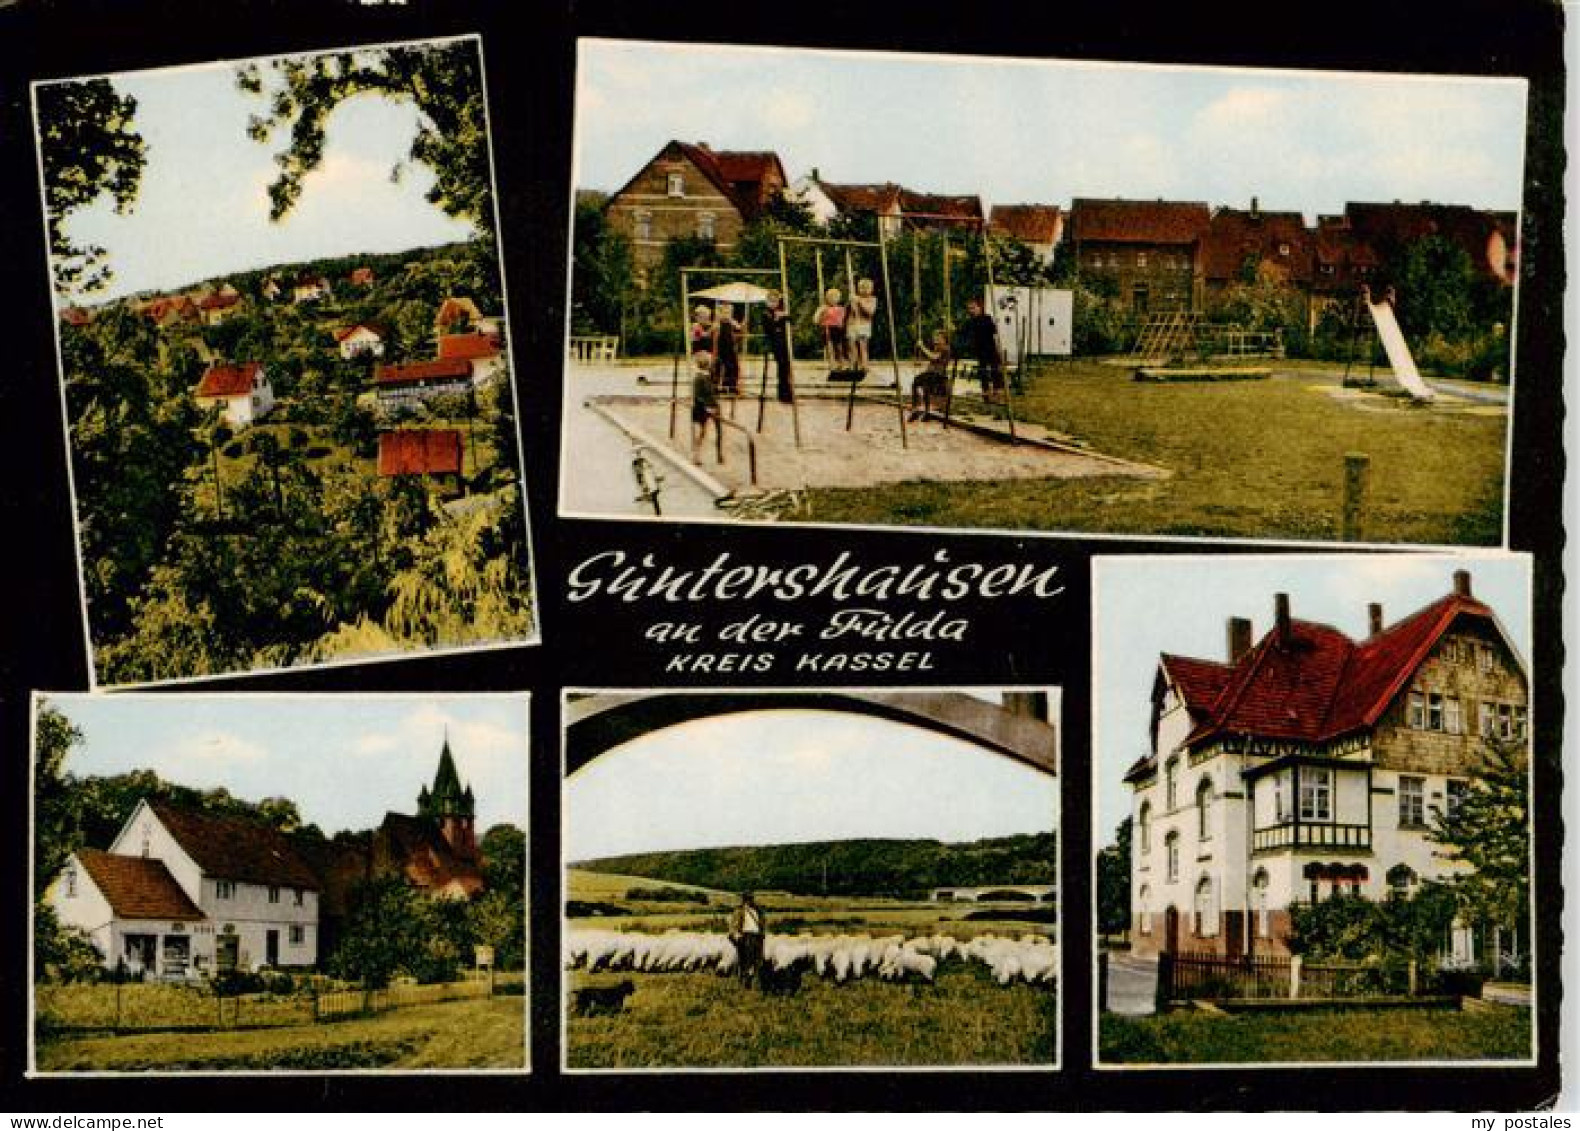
[(1399, 358)]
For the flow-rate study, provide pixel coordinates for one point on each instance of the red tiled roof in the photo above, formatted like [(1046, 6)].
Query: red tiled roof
[(233, 848), (228, 380), (1317, 684), (468, 347), (932, 207), (137, 887), (862, 198), (748, 171), (420, 451), (414, 371), (372, 328), (218, 301), (1200, 682), (75, 316), (1138, 221), (1030, 223), (426, 858), (1233, 235), (362, 275)]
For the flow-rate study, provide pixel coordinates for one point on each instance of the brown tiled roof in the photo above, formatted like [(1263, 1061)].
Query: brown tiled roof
[(425, 857), (931, 207), (468, 347), (1233, 235), (1137, 221), (228, 380), (863, 198), (362, 275), (218, 301), (233, 848), (75, 316), (137, 887), (749, 172), (411, 372), (1030, 223), (420, 451)]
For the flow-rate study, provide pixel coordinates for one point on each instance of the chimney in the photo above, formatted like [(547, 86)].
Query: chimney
[(1255, 208), (1374, 619), (1239, 638), (1462, 583), (1281, 617)]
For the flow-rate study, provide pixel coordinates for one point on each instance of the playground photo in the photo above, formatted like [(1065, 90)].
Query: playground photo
[(1021, 324), (811, 879)]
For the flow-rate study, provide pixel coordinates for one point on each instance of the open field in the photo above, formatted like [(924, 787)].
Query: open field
[(1348, 1035), (488, 1033), (703, 1021), (1248, 459)]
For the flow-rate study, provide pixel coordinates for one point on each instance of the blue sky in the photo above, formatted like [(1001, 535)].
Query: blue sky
[(344, 759), (1016, 131), (1138, 613), (774, 777), (203, 209)]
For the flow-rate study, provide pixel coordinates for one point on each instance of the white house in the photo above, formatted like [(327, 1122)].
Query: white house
[(360, 340), (311, 288), (1310, 765), (242, 392), (183, 894), (480, 351)]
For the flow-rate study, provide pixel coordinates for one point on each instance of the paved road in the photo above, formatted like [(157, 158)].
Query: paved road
[(597, 477), (1132, 984)]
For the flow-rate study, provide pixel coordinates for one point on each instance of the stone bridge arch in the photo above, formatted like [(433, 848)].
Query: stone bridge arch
[(1020, 729)]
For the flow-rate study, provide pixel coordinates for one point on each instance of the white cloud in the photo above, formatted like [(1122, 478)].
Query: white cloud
[(215, 749)]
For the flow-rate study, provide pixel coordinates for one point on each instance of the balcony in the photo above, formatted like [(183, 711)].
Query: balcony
[(1306, 834)]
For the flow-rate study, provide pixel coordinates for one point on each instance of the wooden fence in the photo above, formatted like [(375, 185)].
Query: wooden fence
[(344, 1003), (1191, 975)]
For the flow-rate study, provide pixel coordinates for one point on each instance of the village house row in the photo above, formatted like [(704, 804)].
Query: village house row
[(1155, 255)]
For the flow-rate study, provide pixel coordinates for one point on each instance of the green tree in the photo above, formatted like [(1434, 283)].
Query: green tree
[(1489, 830), (88, 146), (1113, 882), (57, 819), (443, 81), (1435, 284), (504, 850)]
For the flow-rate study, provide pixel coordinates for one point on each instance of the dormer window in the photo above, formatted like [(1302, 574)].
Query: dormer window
[(225, 889), (274, 894)]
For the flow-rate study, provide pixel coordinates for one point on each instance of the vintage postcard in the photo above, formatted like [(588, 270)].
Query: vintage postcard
[(835, 879), (1313, 800), (281, 331), (1086, 298), (273, 883)]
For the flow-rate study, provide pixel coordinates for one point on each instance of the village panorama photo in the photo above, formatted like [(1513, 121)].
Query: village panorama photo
[(1002, 294), (285, 374), (252, 883), (1313, 810), (820, 878)]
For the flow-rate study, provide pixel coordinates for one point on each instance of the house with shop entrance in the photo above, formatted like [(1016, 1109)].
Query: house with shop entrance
[(1309, 765), (181, 894)]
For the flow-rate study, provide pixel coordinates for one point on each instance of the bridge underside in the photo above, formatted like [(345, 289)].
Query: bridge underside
[(598, 723)]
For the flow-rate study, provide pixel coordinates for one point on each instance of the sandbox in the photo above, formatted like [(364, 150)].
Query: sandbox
[(870, 454)]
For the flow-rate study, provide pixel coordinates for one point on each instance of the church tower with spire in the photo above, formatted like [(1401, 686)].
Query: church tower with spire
[(450, 806)]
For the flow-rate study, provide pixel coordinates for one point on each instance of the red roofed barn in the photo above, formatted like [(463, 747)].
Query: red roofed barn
[(1308, 765), (420, 451)]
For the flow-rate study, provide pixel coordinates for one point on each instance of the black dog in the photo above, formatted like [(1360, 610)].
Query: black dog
[(593, 1000), (785, 982)]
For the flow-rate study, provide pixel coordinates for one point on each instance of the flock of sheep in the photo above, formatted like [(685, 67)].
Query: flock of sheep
[(1031, 959)]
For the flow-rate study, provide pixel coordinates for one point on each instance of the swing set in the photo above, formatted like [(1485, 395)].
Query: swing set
[(740, 290)]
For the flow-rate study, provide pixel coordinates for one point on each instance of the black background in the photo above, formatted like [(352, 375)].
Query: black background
[(529, 52)]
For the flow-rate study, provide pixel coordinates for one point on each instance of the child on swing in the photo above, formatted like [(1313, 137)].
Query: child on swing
[(932, 381), (704, 400), (831, 317), (858, 323)]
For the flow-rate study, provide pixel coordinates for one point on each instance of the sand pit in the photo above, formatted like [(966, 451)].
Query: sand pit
[(868, 455)]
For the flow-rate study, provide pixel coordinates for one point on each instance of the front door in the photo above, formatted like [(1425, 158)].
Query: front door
[(271, 948), (225, 952), (1171, 930)]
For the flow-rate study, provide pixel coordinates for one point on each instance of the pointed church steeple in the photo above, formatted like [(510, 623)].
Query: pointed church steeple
[(450, 805)]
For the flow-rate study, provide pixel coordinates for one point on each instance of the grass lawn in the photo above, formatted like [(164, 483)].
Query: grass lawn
[(1354, 1035), (487, 1033), (1248, 459), (705, 1021)]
